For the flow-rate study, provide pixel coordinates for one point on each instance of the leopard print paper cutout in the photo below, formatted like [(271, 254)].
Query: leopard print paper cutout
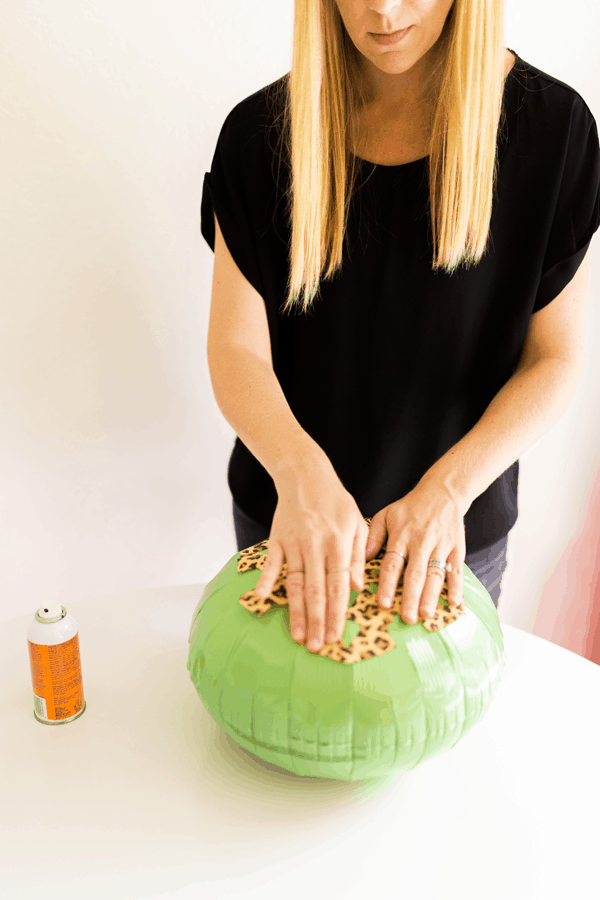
[(373, 638)]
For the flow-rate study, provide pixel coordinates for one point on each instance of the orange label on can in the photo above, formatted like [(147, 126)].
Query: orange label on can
[(56, 677)]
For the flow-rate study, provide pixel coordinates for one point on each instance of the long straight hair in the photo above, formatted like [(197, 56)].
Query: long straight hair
[(319, 102)]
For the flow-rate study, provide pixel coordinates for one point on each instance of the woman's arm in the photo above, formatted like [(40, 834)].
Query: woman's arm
[(531, 401)]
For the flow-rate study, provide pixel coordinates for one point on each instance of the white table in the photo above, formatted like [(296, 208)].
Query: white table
[(144, 795)]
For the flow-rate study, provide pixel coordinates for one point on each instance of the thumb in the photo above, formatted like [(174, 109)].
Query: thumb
[(376, 537), (357, 565), (271, 569)]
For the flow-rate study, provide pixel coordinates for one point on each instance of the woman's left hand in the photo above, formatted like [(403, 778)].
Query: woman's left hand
[(425, 524)]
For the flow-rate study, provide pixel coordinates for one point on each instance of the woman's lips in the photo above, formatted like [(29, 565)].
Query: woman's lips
[(387, 39)]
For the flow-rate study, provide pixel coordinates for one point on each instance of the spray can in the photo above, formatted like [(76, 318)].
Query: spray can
[(53, 641)]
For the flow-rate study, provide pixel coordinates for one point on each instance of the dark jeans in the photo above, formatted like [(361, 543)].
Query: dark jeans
[(487, 565)]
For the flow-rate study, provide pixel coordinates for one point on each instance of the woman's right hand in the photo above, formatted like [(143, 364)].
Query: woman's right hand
[(317, 525)]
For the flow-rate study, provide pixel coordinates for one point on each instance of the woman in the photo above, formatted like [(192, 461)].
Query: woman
[(417, 204)]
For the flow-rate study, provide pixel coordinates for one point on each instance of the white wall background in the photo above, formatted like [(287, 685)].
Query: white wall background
[(113, 452)]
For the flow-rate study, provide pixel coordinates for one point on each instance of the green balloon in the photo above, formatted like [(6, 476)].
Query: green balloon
[(322, 718)]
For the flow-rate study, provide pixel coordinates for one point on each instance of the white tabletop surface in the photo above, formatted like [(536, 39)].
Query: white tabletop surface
[(144, 795)]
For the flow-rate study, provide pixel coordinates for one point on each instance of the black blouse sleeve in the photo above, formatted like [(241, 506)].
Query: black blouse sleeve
[(224, 193), (577, 208)]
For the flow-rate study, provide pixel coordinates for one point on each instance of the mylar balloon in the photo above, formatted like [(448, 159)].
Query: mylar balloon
[(382, 700)]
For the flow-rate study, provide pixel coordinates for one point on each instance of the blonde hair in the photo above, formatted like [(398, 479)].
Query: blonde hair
[(319, 101)]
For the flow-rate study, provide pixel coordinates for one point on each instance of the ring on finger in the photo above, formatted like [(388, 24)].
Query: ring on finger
[(403, 555), (440, 564)]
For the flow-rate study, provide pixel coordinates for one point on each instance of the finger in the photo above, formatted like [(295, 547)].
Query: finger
[(434, 582), (340, 583), (295, 582), (338, 595), (315, 597), (390, 570), (376, 536), (415, 574), (455, 578), (358, 557), (271, 569)]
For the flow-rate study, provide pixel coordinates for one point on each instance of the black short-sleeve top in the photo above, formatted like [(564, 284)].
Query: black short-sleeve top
[(396, 363)]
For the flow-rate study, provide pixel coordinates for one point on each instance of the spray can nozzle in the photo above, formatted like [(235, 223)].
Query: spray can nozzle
[(54, 611)]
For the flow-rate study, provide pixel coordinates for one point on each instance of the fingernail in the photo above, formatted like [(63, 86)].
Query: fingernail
[(385, 601)]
